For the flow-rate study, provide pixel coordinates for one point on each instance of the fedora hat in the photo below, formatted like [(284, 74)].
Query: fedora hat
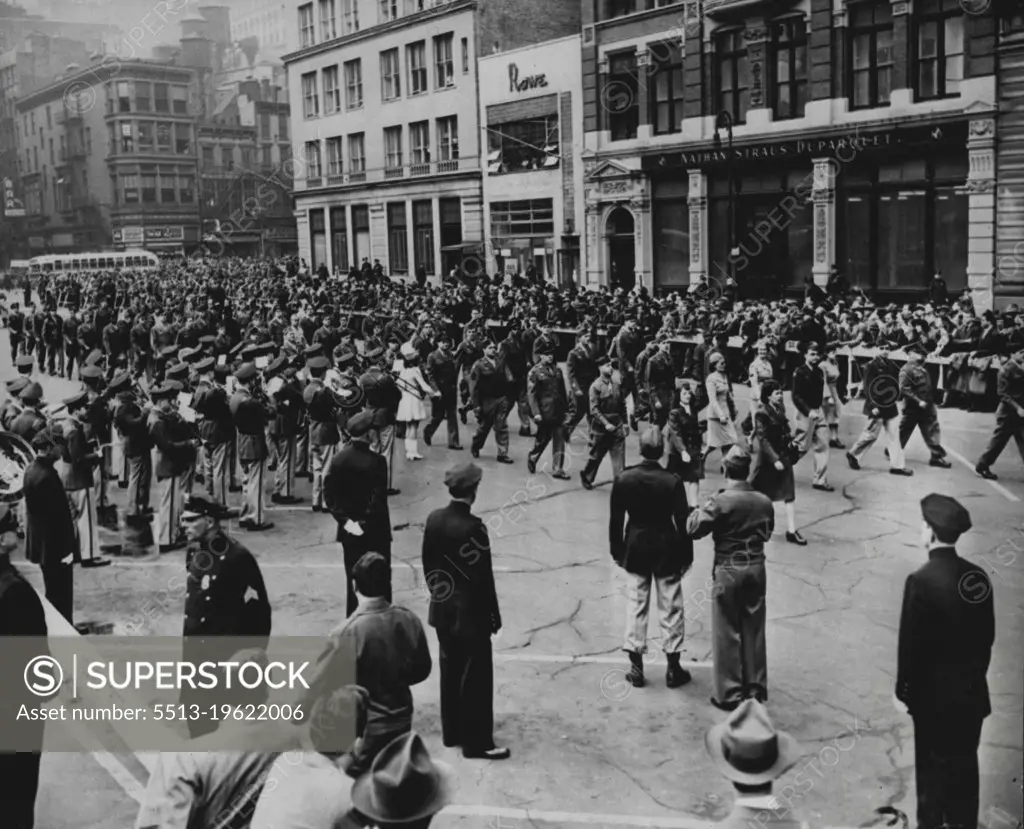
[(403, 784), (747, 749)]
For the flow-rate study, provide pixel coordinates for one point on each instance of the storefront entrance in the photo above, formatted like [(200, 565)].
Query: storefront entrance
[(766, 263), (621, 249)]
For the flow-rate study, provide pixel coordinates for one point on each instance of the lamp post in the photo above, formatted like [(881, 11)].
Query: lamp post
[(723, 121)]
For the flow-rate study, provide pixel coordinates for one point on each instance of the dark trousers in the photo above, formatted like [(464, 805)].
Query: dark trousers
[(494, 415), (70, 358), (19, 783), (444, 408), (59, 584), (661, 404), (738, 619), (54, 359), (354, 548), (946, 768), (601, 444), (582, 408), (1008, 425), (927, 420), (467, 691), (552, 432)]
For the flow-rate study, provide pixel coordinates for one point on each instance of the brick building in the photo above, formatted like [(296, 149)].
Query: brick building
[(388, 125), (531, 115), (772, 141)]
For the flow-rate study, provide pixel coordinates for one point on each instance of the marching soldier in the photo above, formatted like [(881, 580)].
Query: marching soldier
[(581, 368), (38, 322), (252, 411), (546, 339), (442, 374), (467, 355), (99, 430), (642, 409), (323, 427), (216, 428), (176, 449), (1009, 414), (80, 462), (489, 381), (16, 329), (225, 597), (514, 354), (551, 409), (53, 337), (608, 425), (919, 410), (288, 421), (72, 347), (130, 419), (660, 379), (382, 398)]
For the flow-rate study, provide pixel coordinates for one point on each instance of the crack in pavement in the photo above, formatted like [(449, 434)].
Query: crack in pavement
[(530, 633), (639, 785)]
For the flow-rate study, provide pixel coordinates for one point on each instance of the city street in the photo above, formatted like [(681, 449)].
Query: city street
[(587, 748)]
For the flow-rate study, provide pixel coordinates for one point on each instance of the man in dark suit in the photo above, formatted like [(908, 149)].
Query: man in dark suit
[(653, 550), (947, 627), (50, 537), (356, 493), (464, 612), (21, 614), (881, 393)]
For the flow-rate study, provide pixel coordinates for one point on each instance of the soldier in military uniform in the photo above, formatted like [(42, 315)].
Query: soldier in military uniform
[(545, 340), (382, 398), (581, 368), (323, 426), (53, 336), (642, 409), (467, 355), (660, 380), (252, 411), (72, 347), (608, 425), (80, 461), (176, 448), (919, 410), (130, 419), (225, 597), (442, 374), (98, 429), (288, 420), (489, 381), (16, 329), (516, 357), (551, 408), (31, 420), (12, 405), (216, 429), (626, 348)]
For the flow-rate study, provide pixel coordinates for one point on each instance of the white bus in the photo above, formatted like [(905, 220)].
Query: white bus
[(102, 261)]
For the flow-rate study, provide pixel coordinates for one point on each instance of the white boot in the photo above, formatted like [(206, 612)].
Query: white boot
[(416, 456), (409, 450)]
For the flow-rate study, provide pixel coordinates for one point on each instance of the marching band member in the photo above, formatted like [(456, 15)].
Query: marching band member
[(12, 405), (178, 373), (80, 460), (216, 429), (130, 419), (288, 422), (252, 411), (175, 453), (323, 428)]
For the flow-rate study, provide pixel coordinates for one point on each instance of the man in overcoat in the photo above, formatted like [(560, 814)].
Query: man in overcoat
[(655, 552), (356, 493), (947, 627), (464, 611)]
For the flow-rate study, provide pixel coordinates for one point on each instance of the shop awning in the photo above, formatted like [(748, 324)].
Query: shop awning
[(462, 247)]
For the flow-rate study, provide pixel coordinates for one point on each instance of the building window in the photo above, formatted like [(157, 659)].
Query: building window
[(353, 84), (388, 10), (127, 145), (124, 101), (145, 129), (871, 54), (356, 153), (619, 8), (266, 156), (339, 239), (940, 48), (334, 165), (419, 142), (666, 63), (392, 148), (360, 232), (448, 138), (332, 91), (183, 139), (398, 241), (465, 56), (207, 157), (167, 188), (621, 97), (264, 134), (445, 69), (142, 92), (149, 188), (318, 233), (160, 100), (310, 98), (227, 158), (416, 58), (130, 188), (313, 159), (328, 28), (533, 217), (186, 189), (732, 75), (350, 15), (163, 137), (390, 75), (180, 99), (520, 146), (306, 26), (789, 43), (423, 235)]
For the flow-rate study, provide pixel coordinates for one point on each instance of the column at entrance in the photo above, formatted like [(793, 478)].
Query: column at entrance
[(823, 196), (697, 204), (981, 191), (643, 235)]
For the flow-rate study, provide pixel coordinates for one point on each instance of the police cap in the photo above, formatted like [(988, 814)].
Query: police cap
[(94, 358), (360, 424), (463, 477), (32, 393), (91, 374), (206, 364), (246, 372), (168, 351), (121, 382), (15, 386), (198, 506), (947, 517), (24, 363), (189, 355), (277, 365), (76, 400)]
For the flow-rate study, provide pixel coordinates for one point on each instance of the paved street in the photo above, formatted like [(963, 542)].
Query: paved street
[(586, 747)]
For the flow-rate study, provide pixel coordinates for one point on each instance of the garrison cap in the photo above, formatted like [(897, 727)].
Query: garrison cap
[(946, 516), (463, 476), (32, 393), (545, 347), (360, 424), (24, 363), (246, 371), (199, 505)]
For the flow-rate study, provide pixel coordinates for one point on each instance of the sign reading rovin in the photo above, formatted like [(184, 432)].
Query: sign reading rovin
[(529, 82)]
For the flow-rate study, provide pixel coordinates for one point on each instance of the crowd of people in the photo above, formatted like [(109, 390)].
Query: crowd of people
[(212, 374)]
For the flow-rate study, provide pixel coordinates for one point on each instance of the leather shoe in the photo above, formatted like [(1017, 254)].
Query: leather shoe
[(525, 433), (462, 417), (726, 706), (496, 753), (904, 472), (561, 475), (393, 491), (456, 448), (475, 453), (986, 473), (315, 508), (676, 677), (505, 459), (835, 443), (258, 528), (426, 438), (587, 484), (850, 459), (796, 538), (824, 487), (531, 465), (941, 463)]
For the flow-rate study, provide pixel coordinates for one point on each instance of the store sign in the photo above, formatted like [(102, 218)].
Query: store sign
[(36, 242), (515, 84), (13, 208), (127, 236), (165, 234), (844, 148)]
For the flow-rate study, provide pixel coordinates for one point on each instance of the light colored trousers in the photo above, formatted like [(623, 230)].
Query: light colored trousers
[(216, 471), (320, 458), (669, 593), (284, 477), (812, 432), (169, 517), (876, 426), (252, 483), (83, 505)]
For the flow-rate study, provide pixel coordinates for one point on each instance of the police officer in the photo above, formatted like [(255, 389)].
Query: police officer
[(551, 409), (252, 411), (919, 410), (288, 420), (130, 419), (225, 597), (608, 425), (216, 428), (489, 381), (442, 374), (582, 370), (323, 426)]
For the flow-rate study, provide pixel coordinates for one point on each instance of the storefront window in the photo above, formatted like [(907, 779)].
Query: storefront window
[(360, 233), (950, 240), (940, 48), (339, 239), (732, 75), (318, 236), (871, 53), (522, 146), (621, 98), (398, 246), (423, 235), (671, 244), (534, 217), (790, 43), (666, 88)]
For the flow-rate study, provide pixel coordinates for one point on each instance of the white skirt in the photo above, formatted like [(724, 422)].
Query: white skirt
[(410, 408)]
